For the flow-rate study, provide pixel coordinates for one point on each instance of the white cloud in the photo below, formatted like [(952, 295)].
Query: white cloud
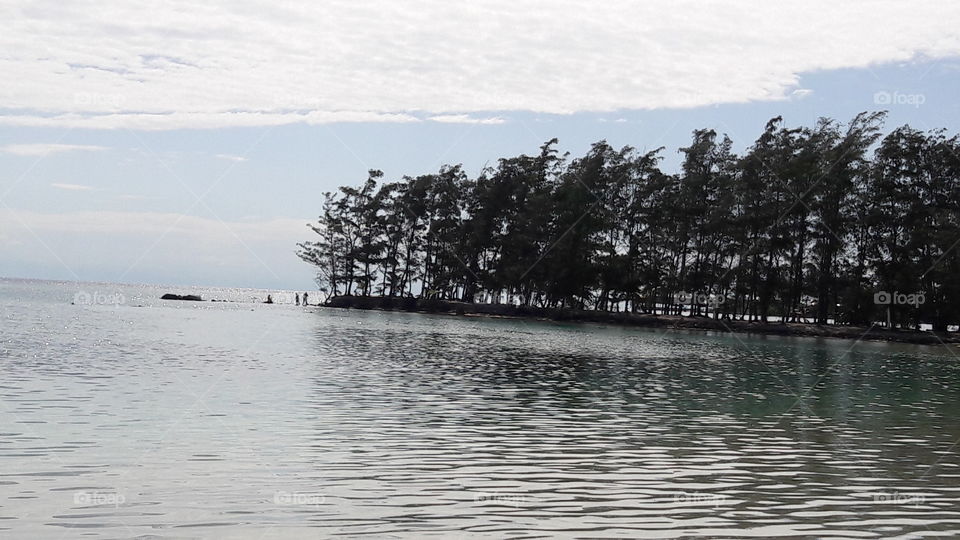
[(231, 157), (108, 64), (72, 187), (148, 225), (465, 119), (197, 120), (41, 150), (130, 244)]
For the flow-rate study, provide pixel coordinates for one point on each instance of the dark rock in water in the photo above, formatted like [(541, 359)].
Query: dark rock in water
[(190, 297)]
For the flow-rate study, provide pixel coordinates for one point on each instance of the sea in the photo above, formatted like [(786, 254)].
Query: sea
[(126, 416)]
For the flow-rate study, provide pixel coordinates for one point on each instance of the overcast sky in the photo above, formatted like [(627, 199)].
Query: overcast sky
[(183, 144)]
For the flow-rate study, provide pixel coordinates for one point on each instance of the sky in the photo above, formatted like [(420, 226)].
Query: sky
[(185, 144)]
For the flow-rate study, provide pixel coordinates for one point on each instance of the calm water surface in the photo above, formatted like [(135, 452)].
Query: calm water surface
[(130, 417)]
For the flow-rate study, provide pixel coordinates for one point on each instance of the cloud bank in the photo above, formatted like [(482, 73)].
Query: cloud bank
[(131, 245), (72, 187), (181, 64), (44, 149)]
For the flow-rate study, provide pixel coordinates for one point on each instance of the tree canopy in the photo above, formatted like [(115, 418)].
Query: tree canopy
[(834, 223)]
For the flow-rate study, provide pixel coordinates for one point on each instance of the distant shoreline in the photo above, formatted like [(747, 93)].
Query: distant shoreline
[(422, 305)]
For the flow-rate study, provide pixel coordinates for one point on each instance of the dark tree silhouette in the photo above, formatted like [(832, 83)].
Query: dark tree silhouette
[(805, 226)]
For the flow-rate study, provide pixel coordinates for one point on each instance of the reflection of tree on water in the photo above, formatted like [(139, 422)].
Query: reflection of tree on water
[(452, 418)]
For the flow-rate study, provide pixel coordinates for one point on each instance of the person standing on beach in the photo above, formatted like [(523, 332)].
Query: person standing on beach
[(297, 298), (305, 299)]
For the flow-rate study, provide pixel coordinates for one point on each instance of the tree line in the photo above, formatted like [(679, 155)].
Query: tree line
[(834, 224)]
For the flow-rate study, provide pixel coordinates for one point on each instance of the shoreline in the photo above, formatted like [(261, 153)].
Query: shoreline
[(626, 319)]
